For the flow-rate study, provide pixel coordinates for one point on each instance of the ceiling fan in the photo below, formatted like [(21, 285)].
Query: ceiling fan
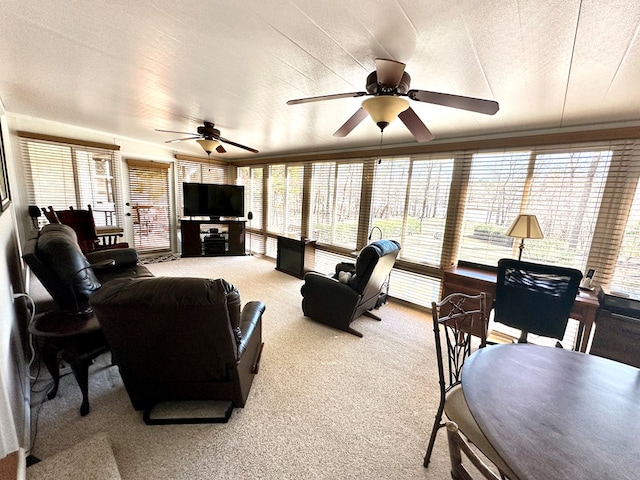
[(209, 139), (387, 84)]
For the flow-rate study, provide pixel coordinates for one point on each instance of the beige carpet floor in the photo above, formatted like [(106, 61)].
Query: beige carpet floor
[(325, 404)]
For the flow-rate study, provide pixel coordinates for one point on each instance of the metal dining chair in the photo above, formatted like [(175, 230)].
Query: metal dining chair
[(454, 319), (535, 298)]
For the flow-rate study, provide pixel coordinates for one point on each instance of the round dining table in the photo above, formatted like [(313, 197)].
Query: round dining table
[(556, 414)]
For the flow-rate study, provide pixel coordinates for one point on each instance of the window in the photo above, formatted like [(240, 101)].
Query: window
[(426, 211), (563, 189), (335, 203), (64, 175), (285, 200), (190, 171), (388, 198), (626, 278), (455, 205), (252, 179), (410, 204)]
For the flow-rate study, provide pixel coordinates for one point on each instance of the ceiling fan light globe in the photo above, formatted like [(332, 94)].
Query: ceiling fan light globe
[(208, 145), (384, 109)]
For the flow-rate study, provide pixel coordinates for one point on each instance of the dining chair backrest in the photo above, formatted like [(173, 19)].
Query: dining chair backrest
[(454, 319), (535, 298)]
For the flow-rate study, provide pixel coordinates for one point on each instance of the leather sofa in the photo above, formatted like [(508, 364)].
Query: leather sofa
[(181, 339), (353, 291)]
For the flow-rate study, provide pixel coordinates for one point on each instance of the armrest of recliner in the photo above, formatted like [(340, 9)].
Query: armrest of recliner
[(249, 318), (121, 257)]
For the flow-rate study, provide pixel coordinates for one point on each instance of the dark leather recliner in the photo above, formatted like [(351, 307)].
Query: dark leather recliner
[(181, 339), (337, 302), (70, 276), (68, 327)]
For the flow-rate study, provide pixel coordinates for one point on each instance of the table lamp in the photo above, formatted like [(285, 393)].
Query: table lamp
[(524, 226)]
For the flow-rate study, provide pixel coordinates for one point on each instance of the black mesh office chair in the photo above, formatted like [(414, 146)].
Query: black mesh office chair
[(535, 298)]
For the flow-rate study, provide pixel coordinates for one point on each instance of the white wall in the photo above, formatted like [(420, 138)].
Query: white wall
[(14, 384)]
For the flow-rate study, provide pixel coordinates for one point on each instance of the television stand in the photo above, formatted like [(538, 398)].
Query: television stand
[(213, 237)]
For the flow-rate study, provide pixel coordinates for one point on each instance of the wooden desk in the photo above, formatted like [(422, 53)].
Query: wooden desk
[(555, 413), (472, 281)]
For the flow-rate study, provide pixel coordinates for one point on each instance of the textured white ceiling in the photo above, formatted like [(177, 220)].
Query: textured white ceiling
[(126, 68)]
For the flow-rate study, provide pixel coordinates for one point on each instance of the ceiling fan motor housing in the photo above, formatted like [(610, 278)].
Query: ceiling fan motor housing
[(375, 88), (208, 130)]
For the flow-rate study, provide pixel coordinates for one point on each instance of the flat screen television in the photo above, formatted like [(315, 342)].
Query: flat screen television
[(213, 200)]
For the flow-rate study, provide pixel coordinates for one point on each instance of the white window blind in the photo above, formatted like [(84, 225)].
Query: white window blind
[(580, 193), (65, 174), (410, 205), (150, 205), (335, 203), (562, 188), (190, 171), (252, 179), (285, 199), (389, 198), (626, 273), (456, 206)]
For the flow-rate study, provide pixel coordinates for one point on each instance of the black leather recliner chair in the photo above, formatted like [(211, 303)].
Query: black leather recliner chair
[(68, 327), (351, 292), (181, 339), (70, 276)]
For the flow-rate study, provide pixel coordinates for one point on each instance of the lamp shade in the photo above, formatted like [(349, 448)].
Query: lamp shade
[(384, 109), (525, 226), (208, 145)]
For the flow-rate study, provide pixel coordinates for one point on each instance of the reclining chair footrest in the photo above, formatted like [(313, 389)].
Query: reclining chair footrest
[(170, 413)]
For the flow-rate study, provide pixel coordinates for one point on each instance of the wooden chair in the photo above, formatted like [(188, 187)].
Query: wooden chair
[(50, 214), (454, 319), (83, 224)]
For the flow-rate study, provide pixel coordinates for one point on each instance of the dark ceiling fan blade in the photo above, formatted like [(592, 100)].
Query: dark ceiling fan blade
[(389, 72), (220, 149), (176, 140), (472, 104), (253, 150), (173, 131), (326, 97), (352, 123), (418, 129)]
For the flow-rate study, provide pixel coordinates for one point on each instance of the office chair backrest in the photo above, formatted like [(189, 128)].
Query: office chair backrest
[(535, 298)]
